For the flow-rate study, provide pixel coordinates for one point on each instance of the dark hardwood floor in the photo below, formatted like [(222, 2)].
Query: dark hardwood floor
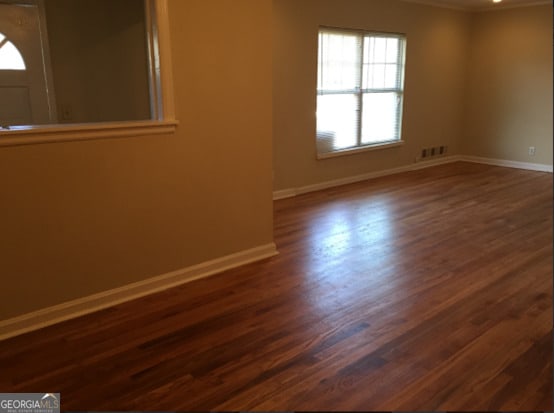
[(429, 290)]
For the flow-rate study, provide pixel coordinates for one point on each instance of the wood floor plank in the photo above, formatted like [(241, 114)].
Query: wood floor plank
[(427, 290)]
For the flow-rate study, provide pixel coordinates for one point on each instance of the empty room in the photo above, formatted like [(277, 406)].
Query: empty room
[(277, 205)]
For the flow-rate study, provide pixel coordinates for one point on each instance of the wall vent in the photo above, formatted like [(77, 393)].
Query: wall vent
[(433, 152)]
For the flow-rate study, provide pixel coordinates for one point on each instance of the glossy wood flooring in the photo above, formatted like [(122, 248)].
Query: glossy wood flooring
[(429, 290)]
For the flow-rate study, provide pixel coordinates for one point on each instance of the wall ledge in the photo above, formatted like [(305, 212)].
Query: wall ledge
[(76, 308), (32, 135)]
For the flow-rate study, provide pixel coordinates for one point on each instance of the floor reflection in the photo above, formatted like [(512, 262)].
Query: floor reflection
[(351, 251), (347, 230)]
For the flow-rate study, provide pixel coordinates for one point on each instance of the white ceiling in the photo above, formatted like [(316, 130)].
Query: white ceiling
[(480, 4)]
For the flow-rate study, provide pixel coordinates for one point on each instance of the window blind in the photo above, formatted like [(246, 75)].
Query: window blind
[(360, 89)]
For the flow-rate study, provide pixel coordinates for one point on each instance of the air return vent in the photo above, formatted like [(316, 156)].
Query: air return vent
[(433, 152)]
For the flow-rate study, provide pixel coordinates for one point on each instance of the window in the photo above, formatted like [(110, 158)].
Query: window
[(10, 58), (359, 90)]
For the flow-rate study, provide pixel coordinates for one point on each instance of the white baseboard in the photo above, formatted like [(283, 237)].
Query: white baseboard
[(86, 305), (289, 193), (286, 193), (508, 164), (435, 162)]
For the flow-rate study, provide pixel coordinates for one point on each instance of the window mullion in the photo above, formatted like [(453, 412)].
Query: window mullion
[(359, 91)]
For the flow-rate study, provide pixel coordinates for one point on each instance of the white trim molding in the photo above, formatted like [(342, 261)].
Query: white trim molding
[(166, 69), (284, 194), (479, 7), (291, 193), (96, 302), (31, 135), (508, 164), (507, 6), (438, 3), (360, 149)]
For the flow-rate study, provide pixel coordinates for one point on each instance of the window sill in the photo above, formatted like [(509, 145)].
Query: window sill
[(30, 135), (353, 151)]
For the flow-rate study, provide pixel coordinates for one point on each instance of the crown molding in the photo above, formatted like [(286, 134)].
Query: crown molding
[(438, 3), (499, 6), (502, 6)]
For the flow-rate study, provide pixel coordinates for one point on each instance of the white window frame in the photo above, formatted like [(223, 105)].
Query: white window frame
[(161, 96), (360, 92)]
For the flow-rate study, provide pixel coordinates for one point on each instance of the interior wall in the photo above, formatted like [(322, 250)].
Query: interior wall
[(77, 218), (509, 105), (99, 59), (437, 52)]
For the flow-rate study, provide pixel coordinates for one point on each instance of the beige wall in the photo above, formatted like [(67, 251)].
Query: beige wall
[(437, 52), (509, 106), (83, 217), (99, 59)]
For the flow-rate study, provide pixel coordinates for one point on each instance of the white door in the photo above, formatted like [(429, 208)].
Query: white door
[(24, 91)]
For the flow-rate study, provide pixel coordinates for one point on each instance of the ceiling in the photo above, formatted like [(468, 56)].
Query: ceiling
[(479, 4)]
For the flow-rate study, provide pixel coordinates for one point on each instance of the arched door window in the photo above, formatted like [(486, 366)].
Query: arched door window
[(10, 57)]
